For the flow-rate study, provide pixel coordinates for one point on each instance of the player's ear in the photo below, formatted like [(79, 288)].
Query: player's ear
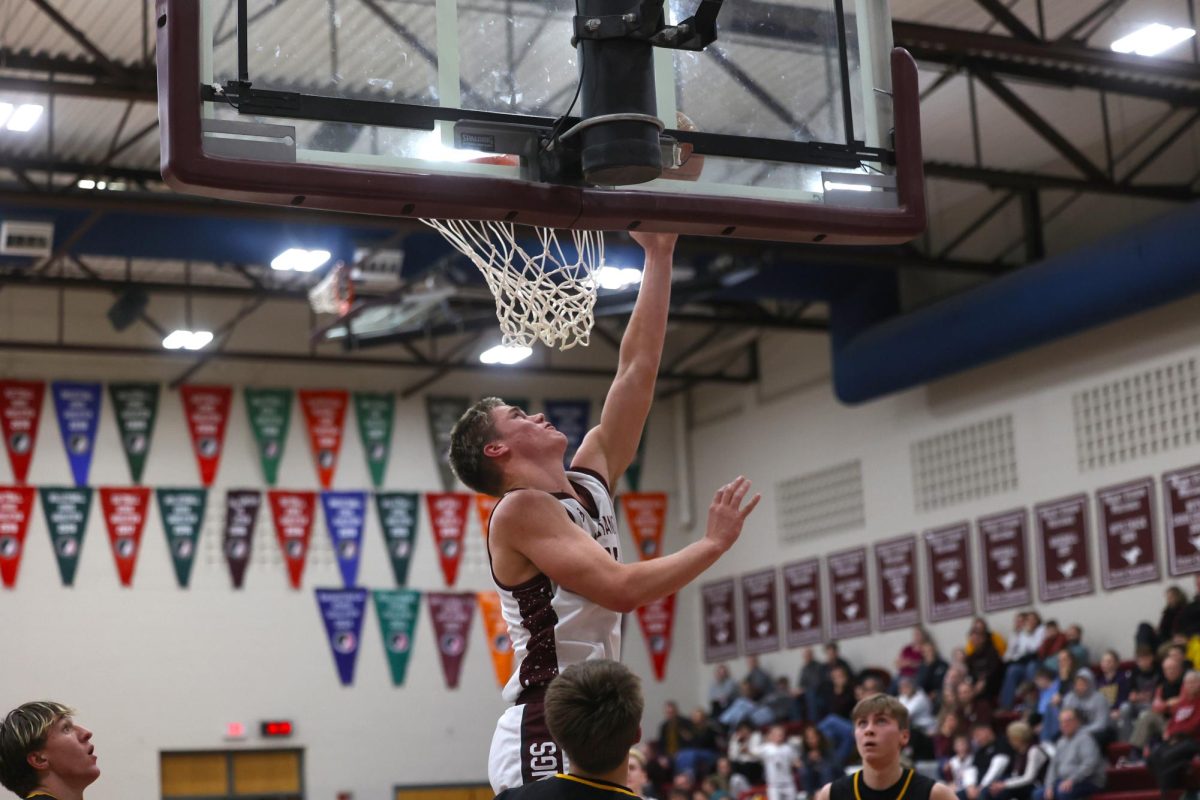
[(37, 759), (495, 448), (904, 734)]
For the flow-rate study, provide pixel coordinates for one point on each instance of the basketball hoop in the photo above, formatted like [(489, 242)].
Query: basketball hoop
[(545, 294), (333, 294)]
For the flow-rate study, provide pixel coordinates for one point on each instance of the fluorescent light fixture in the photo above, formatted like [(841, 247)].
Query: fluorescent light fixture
[(500, 354), (6, 110), (187, 340), (86, 183), (618, 277), (297, 259), (1152, 39), (833, 186), (25, 117), (431, 148)]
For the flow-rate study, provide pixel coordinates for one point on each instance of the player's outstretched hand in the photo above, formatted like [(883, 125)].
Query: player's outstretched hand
[(655, 242), (727, 514)]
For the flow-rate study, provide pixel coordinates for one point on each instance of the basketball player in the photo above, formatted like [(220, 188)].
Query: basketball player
[(45, 753), (594, 710), (881, 732), (552, 539)]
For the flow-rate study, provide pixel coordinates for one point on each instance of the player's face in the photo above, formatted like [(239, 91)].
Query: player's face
[(69, 753), (525, 434), (879, 738)]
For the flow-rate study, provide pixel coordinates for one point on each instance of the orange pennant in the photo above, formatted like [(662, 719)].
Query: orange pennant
[(485, 504), (646, 513), (496, 630)]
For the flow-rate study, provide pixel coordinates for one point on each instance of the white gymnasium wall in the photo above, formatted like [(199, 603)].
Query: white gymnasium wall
[(154, 667)]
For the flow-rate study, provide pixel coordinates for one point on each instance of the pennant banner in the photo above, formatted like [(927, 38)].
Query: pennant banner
[(66, 510), (802, 591), (78, 409), (443, 413), (720, 622), (20, 410), (270, 412), (646, 513), (207, 412), (182, 512), (135, 406), (397, 612), (1125, 517), (451, 613), (345, 516), (343, 610), (571, 419), (241, 513), (657, 619), (496, 629), (125, 514), (1181, 509), (325, 413), (375, 413), (896, 583), (16, 507), (1002, 556), (398, 519), (293, 516), (448, 515), (485, 504)]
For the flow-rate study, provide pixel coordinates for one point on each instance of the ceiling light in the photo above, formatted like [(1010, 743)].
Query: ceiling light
[(187, 340), (618, 277), (25, 117), (832, 186), (501, 354), (6, 110), (1152, 39), (86, 183), (297, 259)]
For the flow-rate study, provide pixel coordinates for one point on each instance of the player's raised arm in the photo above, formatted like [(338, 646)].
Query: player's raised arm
[(609, 448)]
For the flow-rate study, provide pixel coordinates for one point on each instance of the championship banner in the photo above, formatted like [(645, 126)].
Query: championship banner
[(78, 410), (342, 611), (345, 516), (633, 473), (207, 412), (802, 593), (1064, 566), (182, 512), (719, 620), (325, 413), (485, 504), (448, 515), (1181, 509), (646, 513), (66, 509), (375, 413), (16, 507), (241, 514), (397, 613), (293, 516), (896, 583), (451, 613), (496, 630), (1003, 560), (20, 410), (657, 619), (571, 419), (398, 517), (443, 413), (760, 609), (135, 406), (848, 593), (1125, 518), (270, 413), (948, 563), (125, 510)]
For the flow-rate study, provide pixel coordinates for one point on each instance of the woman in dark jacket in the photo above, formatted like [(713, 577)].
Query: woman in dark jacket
[(985, 666)]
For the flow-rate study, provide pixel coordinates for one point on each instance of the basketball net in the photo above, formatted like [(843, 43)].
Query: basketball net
[(333, 294), (548, 295)]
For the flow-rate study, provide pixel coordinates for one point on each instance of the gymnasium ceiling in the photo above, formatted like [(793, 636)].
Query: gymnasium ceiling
[(1037, 139)]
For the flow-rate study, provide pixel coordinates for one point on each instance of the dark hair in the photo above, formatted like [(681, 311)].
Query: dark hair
[(473, 430), (594, 711)]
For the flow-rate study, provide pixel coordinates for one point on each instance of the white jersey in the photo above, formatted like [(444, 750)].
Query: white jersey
[(552, 628), (777, 760)]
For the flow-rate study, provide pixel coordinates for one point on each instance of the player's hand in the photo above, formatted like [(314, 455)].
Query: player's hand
[(727, 514), (655, 242)]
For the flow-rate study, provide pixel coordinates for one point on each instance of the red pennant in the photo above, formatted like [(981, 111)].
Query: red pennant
[(125, 515), (646, 513), (485, 504), (207, 411), (16, 506), (448, 513), (657, 619), (20, 410), (325, 412), (293, 515)]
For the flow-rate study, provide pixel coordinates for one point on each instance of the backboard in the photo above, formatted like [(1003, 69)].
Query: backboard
[(805, 119)]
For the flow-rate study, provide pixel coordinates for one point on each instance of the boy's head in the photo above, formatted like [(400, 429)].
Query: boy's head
[(594, 711), (777, 734), (880, 727), (1144, 659), (982, 734), (1043, 678), (41, 743), (962, 745)]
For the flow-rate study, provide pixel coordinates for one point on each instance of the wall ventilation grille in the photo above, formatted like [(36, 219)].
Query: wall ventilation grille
[(964, 464), (820, 503)]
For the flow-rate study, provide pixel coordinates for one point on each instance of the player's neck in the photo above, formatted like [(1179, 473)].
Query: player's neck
[(618, 776), (58, 789), (881, 776), (547, 477)]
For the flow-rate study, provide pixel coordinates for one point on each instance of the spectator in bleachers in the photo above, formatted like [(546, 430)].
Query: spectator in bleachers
[(869, 683), (1046, 685), (1027, 639), (972, 707), (638, 780), (675, 733), (960, 769), (726, 782), (833, 658), (1171, 760), (743, 759), (699, 754), (910, 658), (949, 726), (979, 625), (1090, 705), (1143, 683), (744, 709), (1052, 643), (836, 725), (780, 701), (1187, 621), (658, 768), (985, 666), (808, 685), (991, 759), (1064, 680), (760, 680), (1077, 768), (1074, 634), (932, 672), (920, 707), (1156, 636), (722, 691), (1113, 681), (817, 760), (1152, 722), (780, 760), (1026, 769)]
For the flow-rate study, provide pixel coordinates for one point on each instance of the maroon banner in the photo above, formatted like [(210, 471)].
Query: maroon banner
[(20, 411), (241, 513), (896, 583), (720, 622), (1125, 517), (656, 620), (760, 607), (1003, 561), (448, 515), (207, 411), (802, 593), (948, 562), (293, 516), (16, 507), (125, 512), (1181, 507), (451, 614), (1064, 567), (848, 593)]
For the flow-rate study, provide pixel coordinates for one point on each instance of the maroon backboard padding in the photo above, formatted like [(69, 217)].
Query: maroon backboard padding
[(186, 168)]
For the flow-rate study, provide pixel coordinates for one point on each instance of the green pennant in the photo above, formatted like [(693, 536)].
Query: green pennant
[(443, 413), (397, 613), (398, 516), (375, 413), (182, 513), (270, 413), (633, 473), (136, 406), (66, 510)]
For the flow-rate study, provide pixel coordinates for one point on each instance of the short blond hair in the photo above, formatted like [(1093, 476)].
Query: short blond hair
[(881, 704), (1020, 731), (24, 730)]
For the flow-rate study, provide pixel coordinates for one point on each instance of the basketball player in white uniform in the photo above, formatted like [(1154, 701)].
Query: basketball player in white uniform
[(553, 541)]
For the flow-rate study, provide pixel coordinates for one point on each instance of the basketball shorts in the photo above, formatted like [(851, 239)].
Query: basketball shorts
[(522, 751)]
